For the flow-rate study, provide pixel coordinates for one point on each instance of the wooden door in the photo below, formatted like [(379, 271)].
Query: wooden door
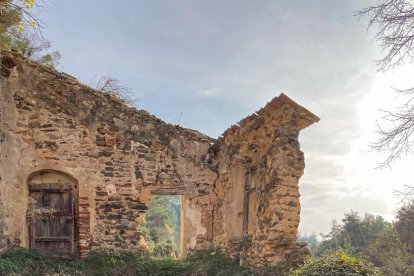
[(52, 220)]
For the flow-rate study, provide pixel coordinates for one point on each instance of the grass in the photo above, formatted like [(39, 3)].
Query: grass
[(202, 263), (105, 263), (32, 262)]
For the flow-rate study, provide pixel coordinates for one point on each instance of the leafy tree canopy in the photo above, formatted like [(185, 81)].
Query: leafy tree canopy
[(163, 225), (355, 231), (390, 254), (20, 30), (404, 225)]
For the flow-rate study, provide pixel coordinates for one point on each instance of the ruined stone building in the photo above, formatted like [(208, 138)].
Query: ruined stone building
[(97, 162)]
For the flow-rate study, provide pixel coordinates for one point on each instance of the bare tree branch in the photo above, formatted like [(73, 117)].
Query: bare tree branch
[(110, 85), (394, 20), (405, 193), (398, 139)]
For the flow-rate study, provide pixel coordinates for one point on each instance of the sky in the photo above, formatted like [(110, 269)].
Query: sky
[(207, 64)]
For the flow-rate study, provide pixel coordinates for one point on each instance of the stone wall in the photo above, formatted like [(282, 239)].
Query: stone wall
[(258, 210), (120, 156), (239, 193)]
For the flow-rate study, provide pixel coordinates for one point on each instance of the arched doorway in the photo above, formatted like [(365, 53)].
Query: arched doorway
[(51, 215)]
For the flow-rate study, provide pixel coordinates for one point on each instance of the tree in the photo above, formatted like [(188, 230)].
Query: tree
[(20, 31), (404, 225), (394, 20), (355, 232), (14, 17), (390, 254), (332, 240), (163, 225)]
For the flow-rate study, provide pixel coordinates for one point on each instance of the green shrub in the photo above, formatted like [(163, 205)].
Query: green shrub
[(211, 262), (106, 262), (335, 263), (164, 250), (127, 263), (8, 266), (32, 262), (279, 270)]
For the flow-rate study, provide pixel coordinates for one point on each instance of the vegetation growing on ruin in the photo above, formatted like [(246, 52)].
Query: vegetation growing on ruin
[(359, 245)]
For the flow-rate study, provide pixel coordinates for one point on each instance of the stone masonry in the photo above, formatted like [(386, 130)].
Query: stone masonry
[(238, 193)]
